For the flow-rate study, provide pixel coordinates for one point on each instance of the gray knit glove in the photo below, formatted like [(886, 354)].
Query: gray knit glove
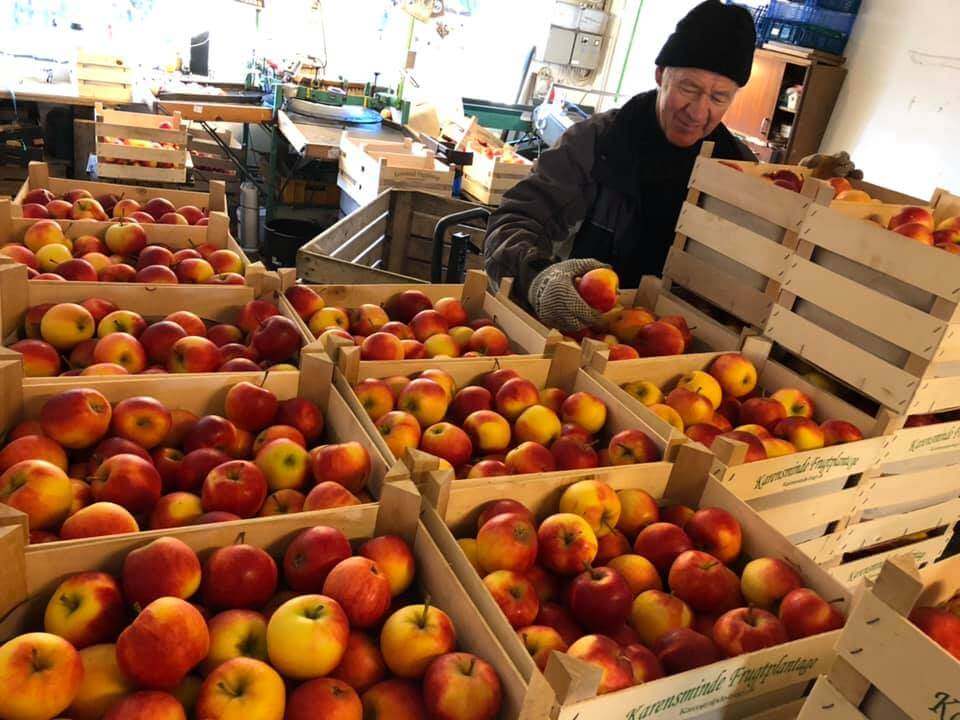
[(556, 301), (828, 166)]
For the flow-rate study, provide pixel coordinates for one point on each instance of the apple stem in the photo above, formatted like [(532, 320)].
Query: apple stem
[(426, 611), (264, 380), (240, 538), (473, 663)]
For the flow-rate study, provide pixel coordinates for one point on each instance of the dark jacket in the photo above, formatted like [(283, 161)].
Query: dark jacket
[(611, 189)]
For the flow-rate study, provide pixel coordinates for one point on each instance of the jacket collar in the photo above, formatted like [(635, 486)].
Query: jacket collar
[(635, 150)]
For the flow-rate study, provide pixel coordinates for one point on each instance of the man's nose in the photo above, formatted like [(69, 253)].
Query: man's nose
[(699, 109)]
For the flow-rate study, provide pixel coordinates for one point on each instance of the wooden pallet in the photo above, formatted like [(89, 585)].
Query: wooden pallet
[(367, 168), (887, 668), (472, 294), (39, 177), (129, 161), (388, 240), (27, 580), (875, 309), (735, 235), (719, 690), (218, 304), (561, 370)]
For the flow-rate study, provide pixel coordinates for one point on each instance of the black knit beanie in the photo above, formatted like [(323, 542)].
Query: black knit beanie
[(714, 37)]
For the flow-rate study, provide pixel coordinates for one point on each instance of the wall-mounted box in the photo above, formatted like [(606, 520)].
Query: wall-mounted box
[(586, 51), (560, 46), (592, 21)]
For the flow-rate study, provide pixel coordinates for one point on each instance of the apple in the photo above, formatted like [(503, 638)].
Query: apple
[(537, 424), (586, 410), (559, 618), (755, 447), (566, 544), (361, 588), (307, 636), (302, 414), (129, 481), (507, 541), (194, 355), (86, 609), (599, 289), (165, 567), (794, 402), (276, 339), (394, 699), (632, 446), (32, 447), (40, 196), (310, 557), (165, 641), (836, 432), (461, 686), (644, 391), (715, 531), (65, 325), (129, 239), (195, 466), (142, 420), (602, 652), (530, 457), (242, 688), (367, 319), (45, 232), (735, 373), (39, 358), (600, 599), (658, 339), (20, 254), (103, 684), (746, 630), (765, 581), (918, 215), (35, 211), (100, 518), (347, 464), (226, 262), (804, 613), (60, 209), (639, 573), (704, 582), (328, 318), (571, 453), (404, 306), (238, 577), (158, 207), (685, 649), (595, 502), (515, 594), (42, 674), (488, 341), (175, 509), (87, 209), (237, 487), (637, 510), (655, 613), (425, 399), (39, 489), (447, 441), (662, 543), (804, 433), (325, 495)]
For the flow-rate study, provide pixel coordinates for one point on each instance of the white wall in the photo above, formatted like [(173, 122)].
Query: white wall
[(899, 111)]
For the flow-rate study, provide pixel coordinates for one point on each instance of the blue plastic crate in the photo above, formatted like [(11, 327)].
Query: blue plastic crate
[(808, 36), (844, 6), (806, 14)]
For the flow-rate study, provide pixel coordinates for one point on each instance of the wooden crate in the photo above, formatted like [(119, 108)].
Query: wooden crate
[(715, 691), (562, 370), (735, 235), (202, 395), (368, 167), (388, 240), (175, 237), (887, 668), (875, 309), (495, 168), (217, 304), (104, 77), (472, 294), (39, 177), (29, 578), (708, 334), (210, 162), (123, 154)]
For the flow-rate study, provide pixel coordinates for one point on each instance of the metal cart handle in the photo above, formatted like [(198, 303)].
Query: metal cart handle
[(460, 244)]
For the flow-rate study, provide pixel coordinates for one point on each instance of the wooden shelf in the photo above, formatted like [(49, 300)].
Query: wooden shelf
[(786, 109)]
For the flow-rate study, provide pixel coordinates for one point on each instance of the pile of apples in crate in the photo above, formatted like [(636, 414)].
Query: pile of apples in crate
[(502, 425), (637, 590), (409, 326), (97, 338), (79, 204), (630, 332), (725, 402), (918, 224), (137, 143), (121, 255), (343, 637), (84, 468)]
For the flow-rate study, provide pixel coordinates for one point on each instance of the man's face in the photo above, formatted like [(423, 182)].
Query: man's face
[(691, 103)]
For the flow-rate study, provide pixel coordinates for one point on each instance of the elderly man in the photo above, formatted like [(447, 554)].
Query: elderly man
[(611, 190)]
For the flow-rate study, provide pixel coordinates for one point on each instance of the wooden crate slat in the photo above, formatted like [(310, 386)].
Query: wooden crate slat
[(109, 151), (723, 290), (872, 532), (424, 225), (917, 442), (890, 385), (890, 319), (755, 251), (902, 258), (825, 701), (147, 174), (893, 490), (353, 247), (765, 200), (868, 568), (899, 659), (795, 518), (177, 137)]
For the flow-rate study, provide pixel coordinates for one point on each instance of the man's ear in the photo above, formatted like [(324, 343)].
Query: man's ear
[(659, 76)]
